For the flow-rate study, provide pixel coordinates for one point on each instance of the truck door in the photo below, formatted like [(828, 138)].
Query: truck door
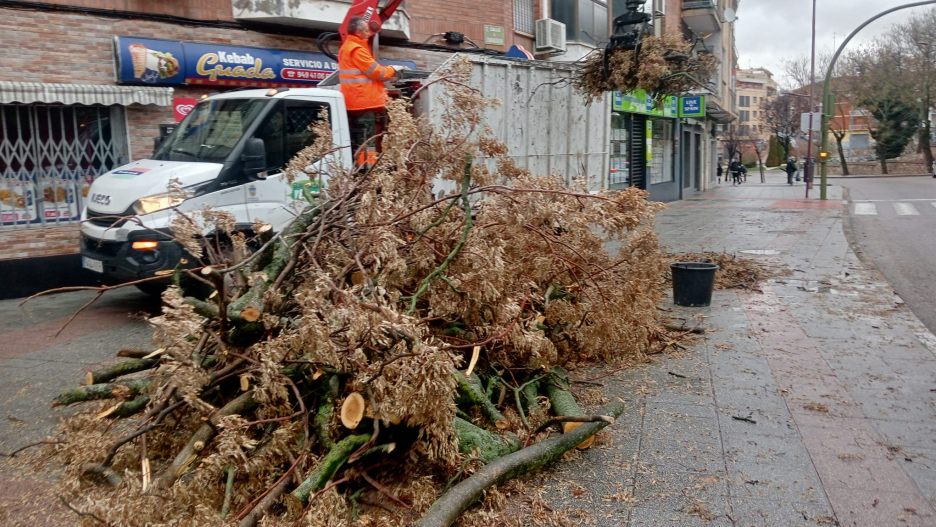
[(285, 132)]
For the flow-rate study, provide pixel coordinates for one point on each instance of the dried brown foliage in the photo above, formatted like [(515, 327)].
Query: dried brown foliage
[(666, 66), (387, 289)]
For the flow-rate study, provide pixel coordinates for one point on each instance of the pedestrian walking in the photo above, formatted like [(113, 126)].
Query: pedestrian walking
[(934, 168), (719, 171), (744, 172), (735, 169), (790, 170)]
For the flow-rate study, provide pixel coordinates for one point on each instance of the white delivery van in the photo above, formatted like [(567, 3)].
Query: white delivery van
[(229, 152)]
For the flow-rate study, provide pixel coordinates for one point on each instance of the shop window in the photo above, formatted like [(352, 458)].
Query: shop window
[(661, 170), (620, 164), (523, 16), (50, 155)]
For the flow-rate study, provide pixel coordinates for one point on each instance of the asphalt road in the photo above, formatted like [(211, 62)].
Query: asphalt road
[(894, 222)]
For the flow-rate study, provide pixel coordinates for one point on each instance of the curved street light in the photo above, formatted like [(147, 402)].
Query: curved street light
[(826, 95)]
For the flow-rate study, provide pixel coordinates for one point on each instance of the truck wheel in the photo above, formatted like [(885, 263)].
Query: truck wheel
[(154, 289)]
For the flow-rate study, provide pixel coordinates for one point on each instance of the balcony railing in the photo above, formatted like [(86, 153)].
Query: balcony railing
[(698, 4)]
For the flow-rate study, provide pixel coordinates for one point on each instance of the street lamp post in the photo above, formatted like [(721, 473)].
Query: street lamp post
[(925, 136), (827, 95), (807, 168)]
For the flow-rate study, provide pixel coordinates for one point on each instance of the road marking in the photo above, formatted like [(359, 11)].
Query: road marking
[(933, 203), (888, 200), (906, 209), (868, 209)]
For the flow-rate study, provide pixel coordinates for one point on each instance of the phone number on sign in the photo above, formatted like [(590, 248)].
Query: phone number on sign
[(297, 74)]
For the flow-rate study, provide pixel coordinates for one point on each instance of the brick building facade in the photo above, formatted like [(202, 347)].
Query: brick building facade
[(69, 46)]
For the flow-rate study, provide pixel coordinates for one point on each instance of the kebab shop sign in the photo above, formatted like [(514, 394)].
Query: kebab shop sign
[(165, 62)]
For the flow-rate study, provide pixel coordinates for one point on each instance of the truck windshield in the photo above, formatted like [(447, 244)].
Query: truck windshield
[(211, 131)]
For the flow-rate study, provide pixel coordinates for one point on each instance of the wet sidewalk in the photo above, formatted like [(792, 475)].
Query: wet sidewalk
[(37, 363), (809, 403)]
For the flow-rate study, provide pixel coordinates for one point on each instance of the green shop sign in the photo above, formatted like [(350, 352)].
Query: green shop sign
[(638, 101)]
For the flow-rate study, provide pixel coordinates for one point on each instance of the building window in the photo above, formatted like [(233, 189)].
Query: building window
[(754, 100), (523, 16), (586, 21), (744, 116), (744, 101)]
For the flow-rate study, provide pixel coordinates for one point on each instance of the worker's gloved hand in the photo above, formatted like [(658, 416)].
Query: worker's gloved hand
[(400, 69)]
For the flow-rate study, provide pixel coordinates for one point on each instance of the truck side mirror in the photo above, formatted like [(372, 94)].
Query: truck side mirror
[(254, 157)]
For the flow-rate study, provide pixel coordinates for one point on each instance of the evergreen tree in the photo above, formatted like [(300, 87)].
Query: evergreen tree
[(775, 153)]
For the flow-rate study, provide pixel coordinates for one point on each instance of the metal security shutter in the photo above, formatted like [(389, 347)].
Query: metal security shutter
[(50, 154), (638, 151)]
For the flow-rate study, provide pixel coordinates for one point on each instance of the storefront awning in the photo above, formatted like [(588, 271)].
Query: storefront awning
[(718, 114), (30, 92)]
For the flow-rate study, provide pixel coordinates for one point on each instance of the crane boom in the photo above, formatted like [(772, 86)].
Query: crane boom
[(366, 9)]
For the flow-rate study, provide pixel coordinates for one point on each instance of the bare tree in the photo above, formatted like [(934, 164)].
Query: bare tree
[(782, 116), (758, 145), (838, 132), (732, 141)]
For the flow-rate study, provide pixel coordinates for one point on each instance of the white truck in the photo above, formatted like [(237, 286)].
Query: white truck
[(230, 150)]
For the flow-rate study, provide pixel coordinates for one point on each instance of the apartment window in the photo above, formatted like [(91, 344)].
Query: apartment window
[(586, 21), (523, 16), (754, 100), (744, 101), (755, 114), (744, 116)]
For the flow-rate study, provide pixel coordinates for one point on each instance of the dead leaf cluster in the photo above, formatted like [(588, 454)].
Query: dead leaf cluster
[(667, 66)]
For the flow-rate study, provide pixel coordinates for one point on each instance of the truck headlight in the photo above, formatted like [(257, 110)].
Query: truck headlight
[(156, 202)]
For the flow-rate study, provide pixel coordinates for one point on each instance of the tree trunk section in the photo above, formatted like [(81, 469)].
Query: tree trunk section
[(490, 445), (330, 464), (562, 400), (94, 392), (120, 369), (199, 441), (841, 151), (446, 509), (130, 408), (324, 413), (470, 393)]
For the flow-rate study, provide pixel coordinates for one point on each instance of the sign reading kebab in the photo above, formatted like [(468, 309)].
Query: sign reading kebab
[(168, 62)]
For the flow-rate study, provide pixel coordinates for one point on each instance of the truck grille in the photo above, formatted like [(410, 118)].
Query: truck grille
[(108, 220), (101, 248)]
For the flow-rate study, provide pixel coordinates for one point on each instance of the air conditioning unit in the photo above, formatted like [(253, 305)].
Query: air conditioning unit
[(550, 36)]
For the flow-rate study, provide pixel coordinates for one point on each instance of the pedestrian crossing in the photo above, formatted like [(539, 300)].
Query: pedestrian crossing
[(910, 207)]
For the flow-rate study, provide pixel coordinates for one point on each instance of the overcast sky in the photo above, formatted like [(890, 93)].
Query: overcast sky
[(769, 30)]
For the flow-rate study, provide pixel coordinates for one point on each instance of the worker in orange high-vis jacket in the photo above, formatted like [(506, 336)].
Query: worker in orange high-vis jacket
[(362, 84)]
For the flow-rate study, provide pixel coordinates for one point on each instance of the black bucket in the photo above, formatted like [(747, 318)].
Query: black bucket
[(693, 283)]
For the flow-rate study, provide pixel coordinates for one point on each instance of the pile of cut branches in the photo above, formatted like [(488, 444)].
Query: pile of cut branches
[(387, 342), (665, 66)]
